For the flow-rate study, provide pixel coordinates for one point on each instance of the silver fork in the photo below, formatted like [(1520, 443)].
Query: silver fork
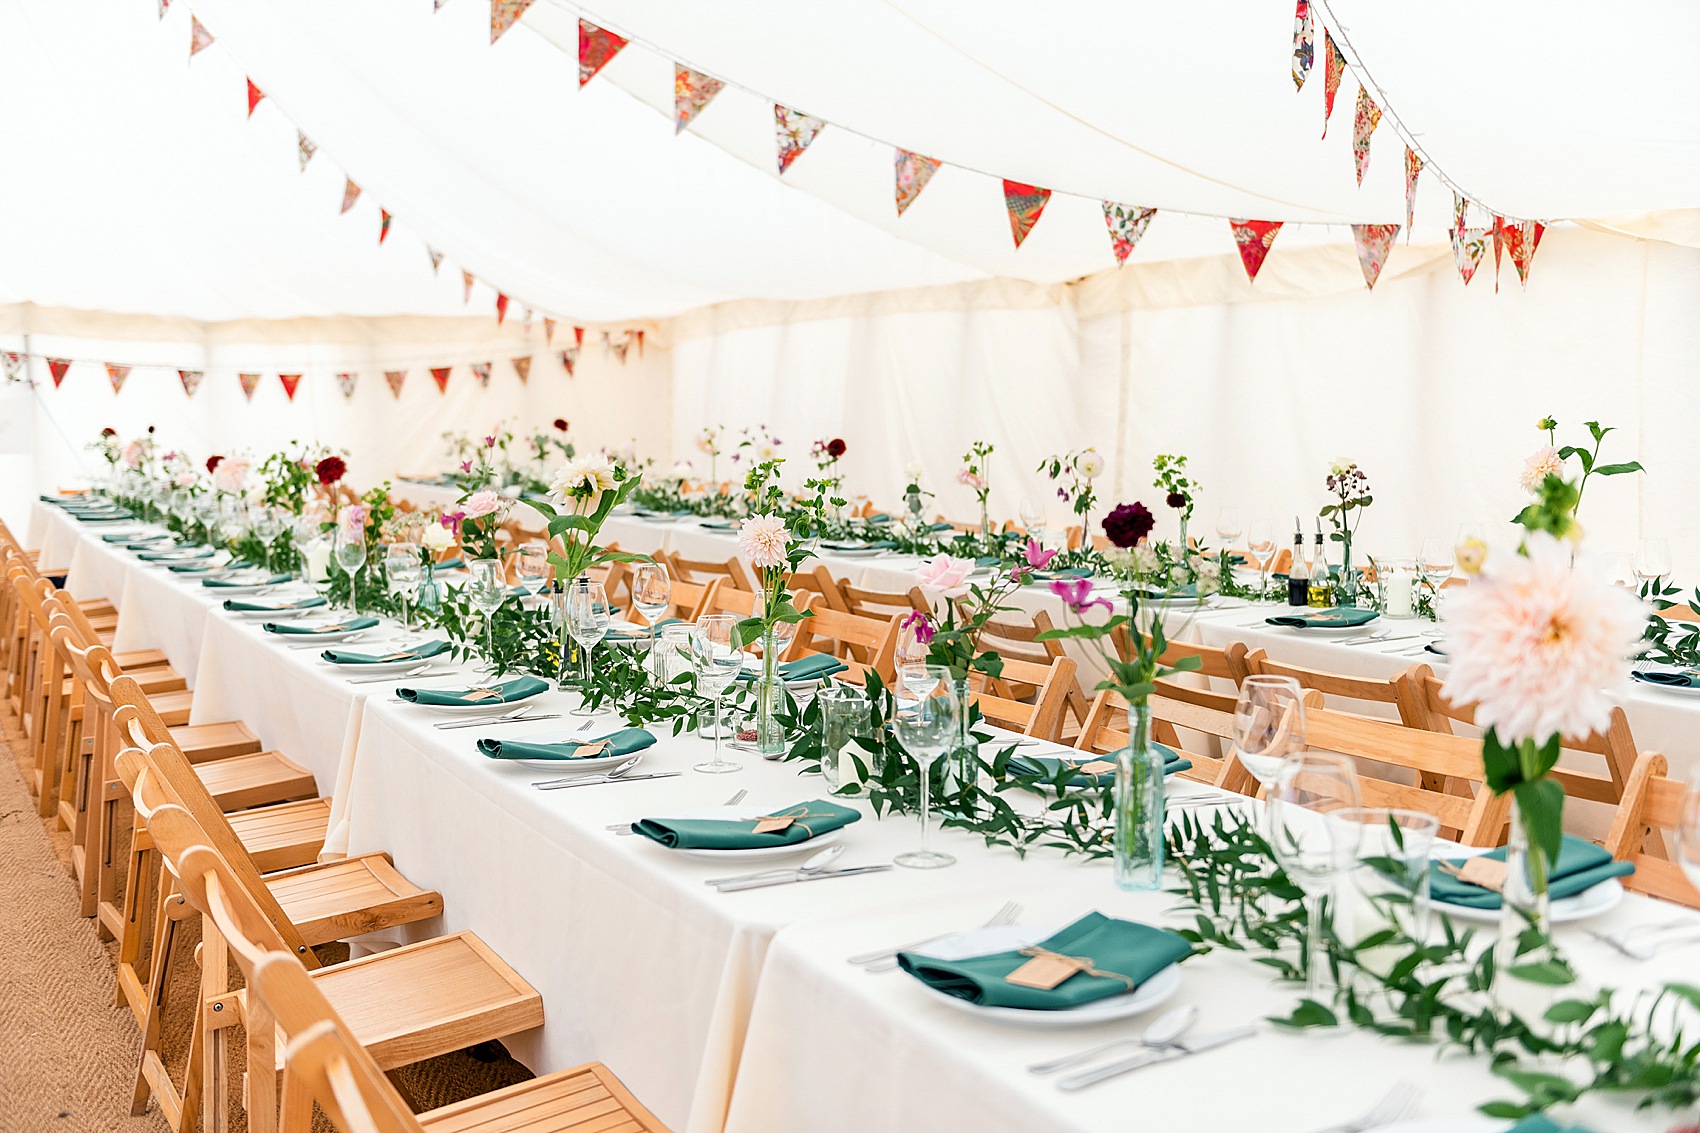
[(886, 958), (1396, 1104)]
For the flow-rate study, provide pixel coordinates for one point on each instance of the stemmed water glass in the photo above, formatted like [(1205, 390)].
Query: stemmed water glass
[(488, 589), (350, 550), (531, 565), (1033, 519), (402, 571), (305, 533), (1313, 838), (1437, 560), (927, 718), (1229, 525), (1260, 544), (652, 593), (1652, 560), (1269, 724), (717, 663), (587, 622)]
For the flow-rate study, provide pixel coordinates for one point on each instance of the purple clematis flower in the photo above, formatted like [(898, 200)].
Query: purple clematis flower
[(922, 623), (1077, 593), (466, 466), (452, 520), (1037, 557)]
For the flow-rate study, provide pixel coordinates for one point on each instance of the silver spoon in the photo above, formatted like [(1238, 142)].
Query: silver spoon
[(485, 721), (619, 770), (814, 864), (1165, 1030)]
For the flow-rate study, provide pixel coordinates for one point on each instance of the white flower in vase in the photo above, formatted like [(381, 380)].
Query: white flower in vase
[(763, 540)]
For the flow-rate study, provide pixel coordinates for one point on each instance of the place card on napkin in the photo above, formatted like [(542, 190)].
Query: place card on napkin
[(1483, 871)]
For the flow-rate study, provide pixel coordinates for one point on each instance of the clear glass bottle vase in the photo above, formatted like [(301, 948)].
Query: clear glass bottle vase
[(1346, 584), (770, 733), (1525, 902), (1139, 806)]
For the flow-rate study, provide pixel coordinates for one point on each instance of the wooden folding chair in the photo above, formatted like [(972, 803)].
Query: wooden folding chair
[(1652, 804), (702, 570), (1231, 663), (1043, 717), (880, 603), (818, 580), (1400, 692), (1015, 641), (863, 644)]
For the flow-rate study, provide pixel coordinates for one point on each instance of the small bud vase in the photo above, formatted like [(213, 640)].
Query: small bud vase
[(1139, 806)]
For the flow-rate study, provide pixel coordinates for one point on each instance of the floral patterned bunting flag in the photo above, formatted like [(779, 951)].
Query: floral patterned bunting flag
[(481, 371), (1253, 238), (350, 193), (793, 131), (440, 375), (1374, 241), (117, 376), (596, 48), (199, 37), (1364, 122), (913, 173), (525, 322), (14, 365), (437, 6), (436, 258), (617, 346), (1469, 245), (255, 94), (250, 383), (191, 380), (384, 219), (58, 368), (164, 6), (503, 13), (692, 90), (1413, 166), (466, 286), (291, 383), (1127, 225), (1498, 248), (1026, 203), (1304, 44), (394, 378), (305, 148), (1333, 69), (1460, 209), (345, 383), (1521, 240), (569, 359), (522, 367), (501, 308), (548, 330)]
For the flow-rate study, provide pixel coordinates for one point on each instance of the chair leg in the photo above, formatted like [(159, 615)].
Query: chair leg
[(151, 1074), (209, 1091), (130, 991)]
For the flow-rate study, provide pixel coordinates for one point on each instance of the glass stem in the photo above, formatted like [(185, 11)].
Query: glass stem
[(1315, 960), (717, 729), (926, 802), (584, 657)]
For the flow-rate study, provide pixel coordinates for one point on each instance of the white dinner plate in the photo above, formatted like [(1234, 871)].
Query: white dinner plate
[(262, 615), (1472, 1124), (757, 853), (1591, 902), (1004, 938), (492, 707), (628, 633), (378, 667), (854, 552), (1326, 631), (242, 588), (337, 635), (1675, 690), (567, 766)]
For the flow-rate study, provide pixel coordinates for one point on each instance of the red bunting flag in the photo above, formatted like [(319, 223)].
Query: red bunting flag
[(1469, 245), (466, 286), (350, 193), (1364, 121), (163, 6), (522, 367), (1374, 241), (1413, 166), (596, 48), (692, 90), (394, 378), (440, 375), (345, 383), (569, 359), (578, 336), (191, 380), (1127, 224), (199, 37), (436, 258), (117, 376), (503, 14), (1025, 204), (1253, 238), (1333, 69), (1304, 44), (548, 330), (639, 335), (255, 94), (1521, 240), (383, 224), (291, 383), (913, 173), (481, 371), (501, 308), (58, 368), (793, 131), (250, 383), (305, 148)]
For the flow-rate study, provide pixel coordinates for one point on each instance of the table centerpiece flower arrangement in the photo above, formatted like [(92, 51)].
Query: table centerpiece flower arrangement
[(708, 443), (1074, 475), (976, 475), (1349, 486)]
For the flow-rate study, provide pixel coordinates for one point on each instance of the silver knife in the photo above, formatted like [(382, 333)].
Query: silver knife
[(764, 882), (486, 720), (1166, 1054), (601, 779)]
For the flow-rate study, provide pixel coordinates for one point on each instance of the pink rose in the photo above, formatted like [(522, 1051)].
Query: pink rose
[(481, 504), (946, 574)]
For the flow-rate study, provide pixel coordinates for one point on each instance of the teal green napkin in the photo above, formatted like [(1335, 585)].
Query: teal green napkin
[(295, 630), (227, 583), (158, 543), (812, 667), (1134, 951), (879, 517), (130, 538), (1188, 590), (640, 633), (941, 525), (1049, 766), (114, 513), (720, 525), (1581, 865), (623, 742), (272, 607), (456, 563), (1332, 618), (1541, 1123), (813, 818), (202, 568), (184, 554), (417, 653), (1682, 678), (519, 688), (1066, 572)]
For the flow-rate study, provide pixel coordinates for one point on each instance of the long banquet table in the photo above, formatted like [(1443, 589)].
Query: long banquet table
[(737, 1011)]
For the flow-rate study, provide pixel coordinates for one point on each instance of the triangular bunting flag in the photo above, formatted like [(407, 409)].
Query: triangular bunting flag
[(345, 383), (793, 131), (466, 286), (503, 13), (525, 323), (638, 334), (1498, 248), (255, 94), (1304, 44), (913, 173), (692, 90), (501, 308), (1025, 204), (1468, 248), (1253, 238), (1460, 208), (548, 330), (1364, 122), (1521, 240), (617, 347), (14, 365), (437, 6), (291, 383), (596, 47), (1373, 241), (522, 367), (117, 376), (250, 383), (1333, 68), (305, 148), (436, 258), (163, 6), (383, 224), (350, 193), (569, 359), (58, 367), (578, 336), (1127, 225), (191, 380), (1413, 166), (481, 371), (394, 378), (440, 375), (199, 37)]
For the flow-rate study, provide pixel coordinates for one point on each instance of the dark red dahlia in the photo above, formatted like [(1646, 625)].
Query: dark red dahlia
[(212, 464), (1176, 500), (835, 448), (109, 432), (561, 424), (1127, 524), (331, 469)]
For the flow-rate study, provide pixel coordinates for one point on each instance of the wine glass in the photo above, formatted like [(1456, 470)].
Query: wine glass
[(488, 589), (402, 571), (1034, 519), (1688, 830), (1437, 560), (587, 622), (1260, 544), (350, 551), (926, 724), (531, 566), (306, 534), (1313, 837), (717, 662), (1229, 526), (1269, 724), (652, 593), (1652, 560), (1393, 860)]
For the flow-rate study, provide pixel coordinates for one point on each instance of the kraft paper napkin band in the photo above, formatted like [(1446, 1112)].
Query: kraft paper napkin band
[(1486, 872), (773, 823), (591, 749), (1047, 969), (1093, 767), (483, 693)]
